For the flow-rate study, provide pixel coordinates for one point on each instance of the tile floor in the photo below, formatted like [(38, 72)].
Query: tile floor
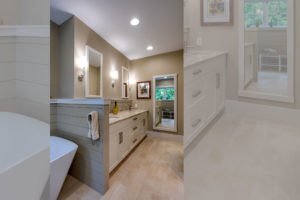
[(166, 123), (244, 159), (153, 171), (271, 83)]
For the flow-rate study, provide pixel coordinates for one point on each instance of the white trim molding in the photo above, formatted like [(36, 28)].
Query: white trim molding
[(25, 31), (166, 136), (290, 97), (266, 112), (175, 77)]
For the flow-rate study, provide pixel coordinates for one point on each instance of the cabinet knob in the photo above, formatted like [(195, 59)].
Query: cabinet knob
[(135, 118), (134, 128)]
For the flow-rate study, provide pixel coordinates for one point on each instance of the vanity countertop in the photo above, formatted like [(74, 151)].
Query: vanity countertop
[(200, 56), (122, 115)]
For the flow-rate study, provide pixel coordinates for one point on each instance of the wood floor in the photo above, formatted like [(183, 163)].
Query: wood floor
[(154, 171)]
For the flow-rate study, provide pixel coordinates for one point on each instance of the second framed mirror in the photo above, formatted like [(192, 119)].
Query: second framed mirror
[(165, 102)]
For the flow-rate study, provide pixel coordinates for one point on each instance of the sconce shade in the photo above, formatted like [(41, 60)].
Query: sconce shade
[(114, 74), (82, 62)]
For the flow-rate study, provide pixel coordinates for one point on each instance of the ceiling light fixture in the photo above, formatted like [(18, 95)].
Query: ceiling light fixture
[(134, 21), (150, 48)]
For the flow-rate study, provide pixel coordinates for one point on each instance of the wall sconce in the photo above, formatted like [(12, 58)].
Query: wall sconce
[(83, 64), (114, 76)]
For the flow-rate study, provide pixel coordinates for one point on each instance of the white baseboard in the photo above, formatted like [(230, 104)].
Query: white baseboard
[(280, 114), (172, 137)]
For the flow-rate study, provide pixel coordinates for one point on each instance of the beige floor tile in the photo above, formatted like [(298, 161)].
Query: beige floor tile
[(153, 171), (243, 158)]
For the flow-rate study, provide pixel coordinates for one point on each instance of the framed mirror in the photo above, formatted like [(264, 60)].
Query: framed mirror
[(125, 82), (94, 71), (266, 47), (165, 102)]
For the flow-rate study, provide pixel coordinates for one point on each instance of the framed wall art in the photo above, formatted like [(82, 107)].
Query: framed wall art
[(143, 90), (216, 12)]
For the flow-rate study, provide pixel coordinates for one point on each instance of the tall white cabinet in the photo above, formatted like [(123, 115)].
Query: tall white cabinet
[(204, 93)]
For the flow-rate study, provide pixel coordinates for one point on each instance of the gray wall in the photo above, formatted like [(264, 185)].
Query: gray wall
[(74, 35), (226, 39), (62, 60)]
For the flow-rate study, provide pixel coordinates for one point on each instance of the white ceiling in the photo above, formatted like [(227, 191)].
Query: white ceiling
[(161, 23)]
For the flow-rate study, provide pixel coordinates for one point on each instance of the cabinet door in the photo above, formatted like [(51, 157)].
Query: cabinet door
[(113, 149), (122, 150), (125, 135)]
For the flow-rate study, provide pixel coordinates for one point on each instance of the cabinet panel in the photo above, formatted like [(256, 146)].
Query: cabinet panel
[(124, 136), (221, 86), (113, 149), (211, 94), (204, 95)]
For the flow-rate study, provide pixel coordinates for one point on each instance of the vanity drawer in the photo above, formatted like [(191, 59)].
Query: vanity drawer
[(195, 92), (195, 72), (195, 118), (119, 125)]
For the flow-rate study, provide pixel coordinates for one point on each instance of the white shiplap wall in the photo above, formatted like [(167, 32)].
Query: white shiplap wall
[(25, 71)]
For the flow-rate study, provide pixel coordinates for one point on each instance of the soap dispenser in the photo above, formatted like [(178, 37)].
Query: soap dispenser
[(116, 108)]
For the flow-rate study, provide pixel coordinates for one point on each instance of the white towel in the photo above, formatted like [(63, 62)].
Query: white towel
[(93, 125)]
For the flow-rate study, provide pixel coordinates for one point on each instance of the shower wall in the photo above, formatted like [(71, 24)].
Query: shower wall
[(24, 70)]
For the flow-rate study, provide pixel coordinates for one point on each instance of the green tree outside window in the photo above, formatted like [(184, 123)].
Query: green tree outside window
[(275, 14), (164, 93)]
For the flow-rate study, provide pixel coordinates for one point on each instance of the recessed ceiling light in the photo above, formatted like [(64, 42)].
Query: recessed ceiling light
[(134, 21), (150, 48)]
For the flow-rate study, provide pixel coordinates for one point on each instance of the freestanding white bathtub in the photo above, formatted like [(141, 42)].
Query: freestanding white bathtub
[(62, 152), (24, 157)]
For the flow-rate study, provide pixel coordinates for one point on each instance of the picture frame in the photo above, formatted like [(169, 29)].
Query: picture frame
[(216, 12), (143, 90)]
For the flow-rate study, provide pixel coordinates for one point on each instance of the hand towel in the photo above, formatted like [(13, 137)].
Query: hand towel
[(93, 126)]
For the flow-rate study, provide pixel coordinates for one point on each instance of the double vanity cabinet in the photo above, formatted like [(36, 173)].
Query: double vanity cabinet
[(126, 130), (204, 91)]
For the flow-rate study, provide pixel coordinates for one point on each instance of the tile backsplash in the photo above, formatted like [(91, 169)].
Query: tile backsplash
[(123, 104)]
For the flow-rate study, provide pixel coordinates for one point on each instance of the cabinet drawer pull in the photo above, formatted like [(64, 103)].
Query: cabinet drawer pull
[(197, 94), (196, 123), (195, 73), (135, 118), (134, 128), (120, 137), (134, 141)]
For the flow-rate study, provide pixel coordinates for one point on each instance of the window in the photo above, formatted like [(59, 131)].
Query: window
[(165, 93), (266, 13)]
